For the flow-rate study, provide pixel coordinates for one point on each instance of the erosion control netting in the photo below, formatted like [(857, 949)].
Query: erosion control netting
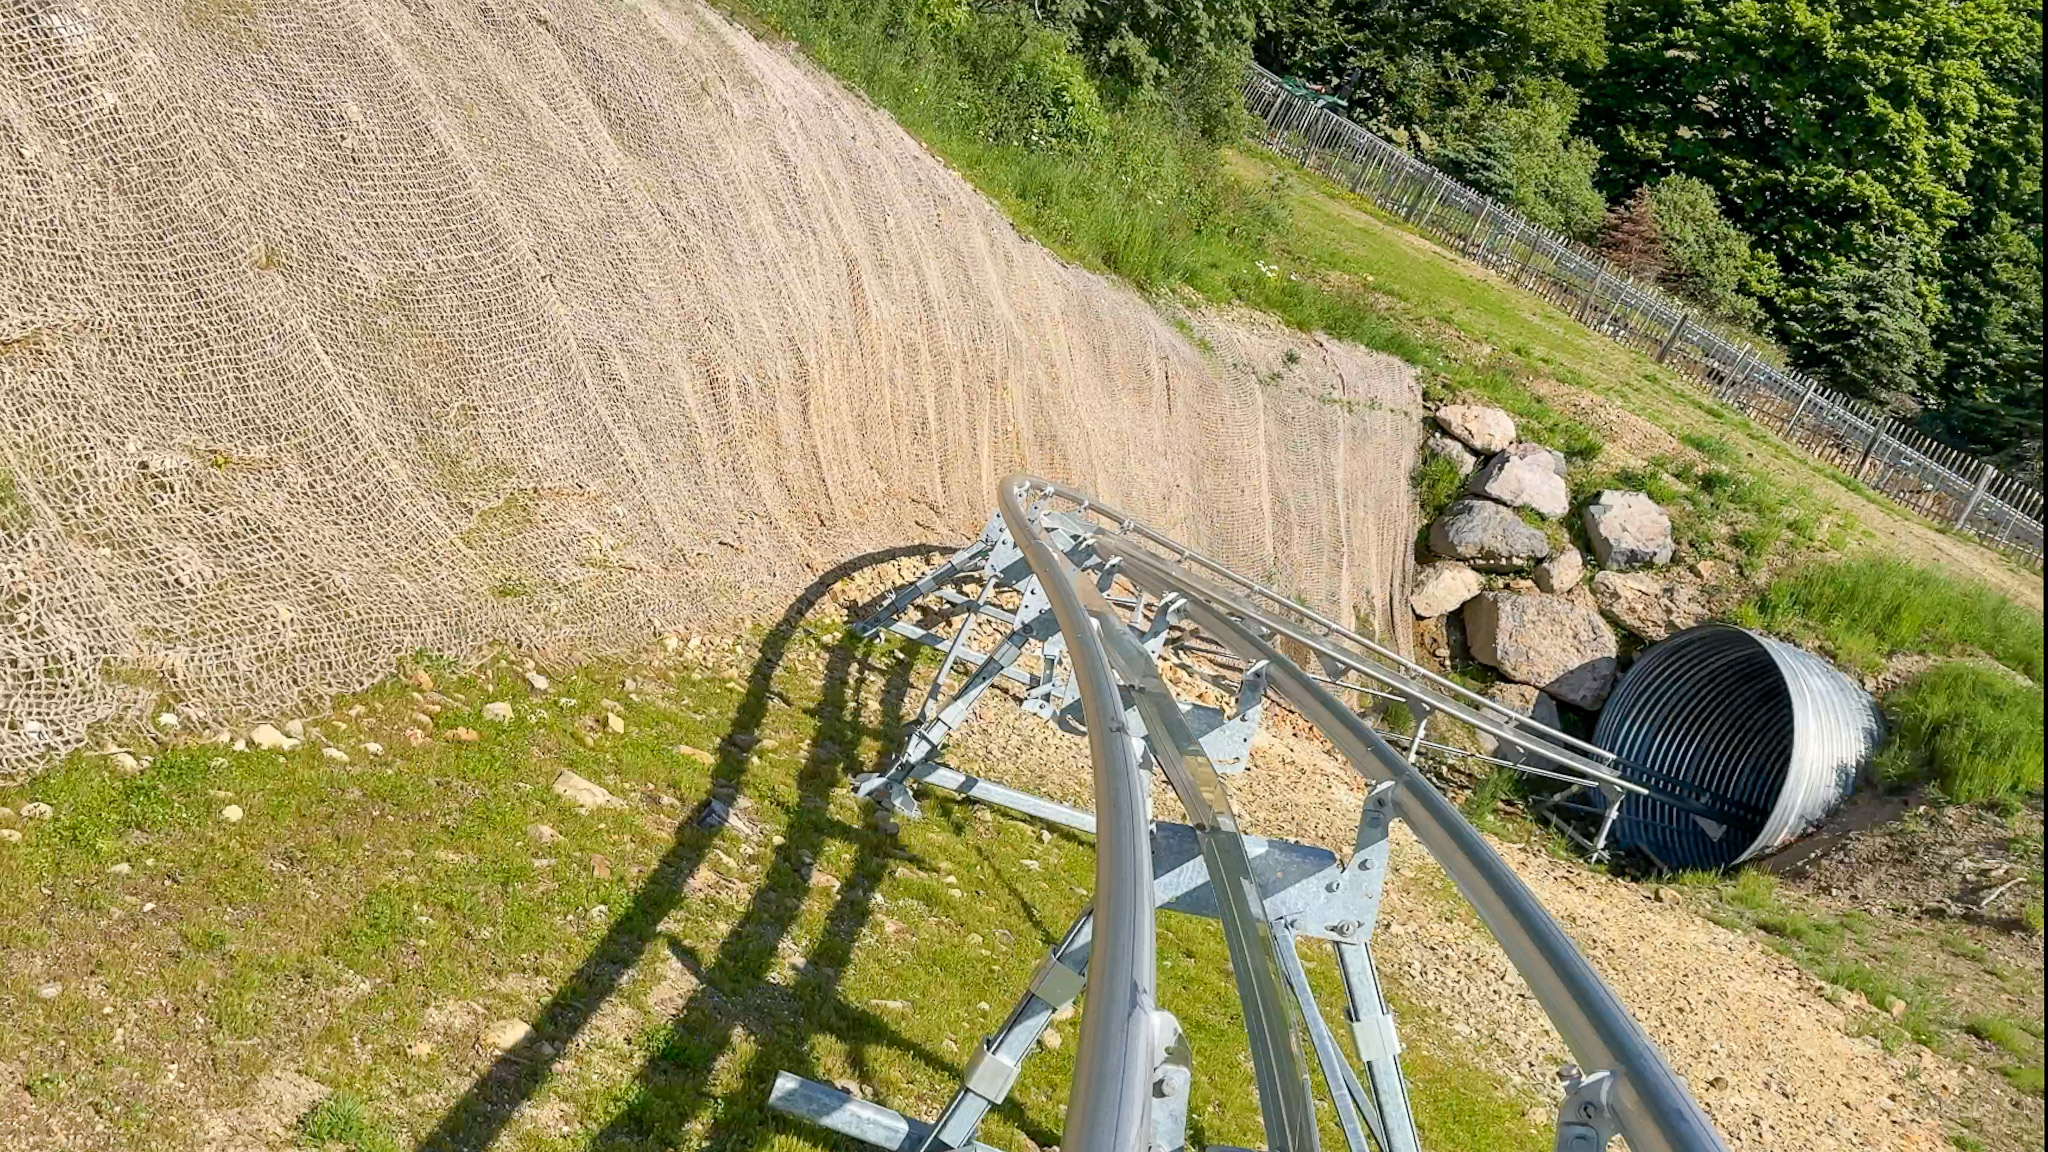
[(330, 333)]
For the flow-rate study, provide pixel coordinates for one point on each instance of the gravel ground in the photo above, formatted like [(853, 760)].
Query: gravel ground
[(1767, 1054)]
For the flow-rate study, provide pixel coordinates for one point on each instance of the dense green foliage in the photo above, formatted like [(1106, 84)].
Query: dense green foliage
[(1673, 234), (1484, 88), (1858, 184), (1859, 180)]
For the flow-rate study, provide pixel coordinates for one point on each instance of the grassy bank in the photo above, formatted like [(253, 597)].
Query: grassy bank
[(346, 955)]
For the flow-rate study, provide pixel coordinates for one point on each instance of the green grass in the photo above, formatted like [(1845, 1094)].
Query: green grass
[(1900, 995), (2014, 1037), (1973, 731), (1437, 483), (342, 1120), (364, 921), (1866, 607), (1718, 510)]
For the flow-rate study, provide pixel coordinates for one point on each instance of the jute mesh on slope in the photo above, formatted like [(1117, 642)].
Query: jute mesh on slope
[(330, 332)]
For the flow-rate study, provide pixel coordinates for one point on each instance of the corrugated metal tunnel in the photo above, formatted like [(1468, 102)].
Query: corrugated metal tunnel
[(1770, 731)]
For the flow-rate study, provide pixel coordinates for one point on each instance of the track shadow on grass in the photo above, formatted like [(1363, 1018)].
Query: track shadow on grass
[(674, 1099), (476, 1120)]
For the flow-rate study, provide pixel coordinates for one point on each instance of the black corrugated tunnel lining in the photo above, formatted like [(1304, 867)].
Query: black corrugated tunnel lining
[(1709, 708)]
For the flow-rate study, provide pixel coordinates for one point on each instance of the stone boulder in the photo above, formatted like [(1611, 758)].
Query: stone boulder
[(1547, 642), (1487, 536), (1525, 476), (1649, 604), (1460, 456), (1484, 430), (1562, 572), (1628, 530), (1443, 587)]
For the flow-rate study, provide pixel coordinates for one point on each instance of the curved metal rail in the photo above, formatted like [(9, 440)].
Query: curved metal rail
[(1109, 1108), (1421, 688), (1633, 1086)]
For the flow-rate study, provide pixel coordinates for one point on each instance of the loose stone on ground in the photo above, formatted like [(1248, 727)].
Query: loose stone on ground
[(1628, 530)]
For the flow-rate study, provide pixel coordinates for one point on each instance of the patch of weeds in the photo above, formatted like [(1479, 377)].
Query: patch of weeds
[(1481, 807), (1957, 944), (1971, 730), (1437, 483), (1752, 889), (2025, 1078), (344, 1120), (1866, 607), (2010, 1036)]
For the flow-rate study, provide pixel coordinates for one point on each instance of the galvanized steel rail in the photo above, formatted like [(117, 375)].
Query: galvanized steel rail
[(1056, 568), (1633, 1085), (1945, 484), (1109, 1109)]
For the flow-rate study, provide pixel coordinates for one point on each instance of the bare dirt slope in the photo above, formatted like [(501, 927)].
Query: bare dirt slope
[(329, 333)]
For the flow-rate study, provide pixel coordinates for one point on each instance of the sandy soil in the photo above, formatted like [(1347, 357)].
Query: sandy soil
[(1766, 1052)]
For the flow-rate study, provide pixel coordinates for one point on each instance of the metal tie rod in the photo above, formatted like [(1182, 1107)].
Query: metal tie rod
[(1463, 704)]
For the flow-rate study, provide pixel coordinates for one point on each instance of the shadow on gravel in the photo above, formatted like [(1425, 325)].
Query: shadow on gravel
[(674, 1099)]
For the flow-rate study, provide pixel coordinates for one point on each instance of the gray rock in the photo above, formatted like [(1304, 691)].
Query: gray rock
[(1487, 536), (1525, 476), (1443, 587), (269, 739), (1482, 429), (1460, 456), (582, 793), (1648, 604), (1628, 530), (1523, 701), (1548, 642), (1562, 572)]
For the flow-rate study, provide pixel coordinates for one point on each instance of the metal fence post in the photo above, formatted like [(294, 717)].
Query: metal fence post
[(1869, 448), (1799, 409), (1671, 341), (1976, 495)]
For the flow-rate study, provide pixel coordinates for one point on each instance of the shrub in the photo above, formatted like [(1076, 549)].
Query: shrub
[(1708, 260), (1036, 93), (1974, 731), (1519, 150)]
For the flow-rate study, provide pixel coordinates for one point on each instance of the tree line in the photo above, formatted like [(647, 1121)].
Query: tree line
[(1855, 181)]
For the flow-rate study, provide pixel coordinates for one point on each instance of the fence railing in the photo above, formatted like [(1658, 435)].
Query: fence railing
[(1942, 483)]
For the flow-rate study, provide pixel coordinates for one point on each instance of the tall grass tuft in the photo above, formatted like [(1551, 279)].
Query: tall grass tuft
[(1868, 607), (1973, 730)]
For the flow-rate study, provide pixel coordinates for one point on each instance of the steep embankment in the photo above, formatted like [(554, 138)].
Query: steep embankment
[(332, 333)]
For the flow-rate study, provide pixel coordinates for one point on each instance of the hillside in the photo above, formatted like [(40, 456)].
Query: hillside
[(337, 334), (482, 389)]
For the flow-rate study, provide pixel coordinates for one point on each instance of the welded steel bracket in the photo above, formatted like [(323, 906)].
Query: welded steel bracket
[(1307, 893), (1586, 1121)]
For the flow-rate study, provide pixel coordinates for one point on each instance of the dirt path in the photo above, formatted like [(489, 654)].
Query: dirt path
[(1767, 1054)]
